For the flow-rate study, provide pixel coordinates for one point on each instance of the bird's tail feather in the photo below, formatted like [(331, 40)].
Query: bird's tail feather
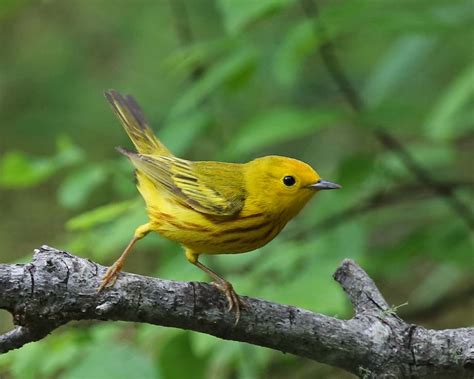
[(135, 124)]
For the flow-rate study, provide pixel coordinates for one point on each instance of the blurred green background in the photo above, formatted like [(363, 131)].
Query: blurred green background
[(232, 80)]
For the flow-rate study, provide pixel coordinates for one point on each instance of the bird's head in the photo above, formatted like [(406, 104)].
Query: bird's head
[(284, 184)]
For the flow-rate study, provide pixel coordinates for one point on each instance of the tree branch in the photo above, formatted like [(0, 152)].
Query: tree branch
[(341, 79), (58, 287)]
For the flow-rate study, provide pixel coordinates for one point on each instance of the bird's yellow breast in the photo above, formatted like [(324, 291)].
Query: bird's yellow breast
[(252, 228)]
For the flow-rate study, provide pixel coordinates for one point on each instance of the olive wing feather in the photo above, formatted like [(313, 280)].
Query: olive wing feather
[(193, 183)]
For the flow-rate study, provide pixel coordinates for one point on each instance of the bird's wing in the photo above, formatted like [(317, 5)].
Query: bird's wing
[(180, 179)]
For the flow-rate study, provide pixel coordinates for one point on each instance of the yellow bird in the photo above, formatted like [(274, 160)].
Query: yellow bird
[(210, 207)]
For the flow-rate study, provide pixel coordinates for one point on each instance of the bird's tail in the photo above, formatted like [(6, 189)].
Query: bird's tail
[(135, 124)]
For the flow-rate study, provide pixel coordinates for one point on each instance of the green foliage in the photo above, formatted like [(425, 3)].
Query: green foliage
[(107, 360), (298, 44), (451, 116), (189, 364), (76, 355), (225, 71), (403, 59), (278, 125), (248, 83), (238, 14), (78, 185), (433, 156), (100, 215), (180, 132), (18, 170)]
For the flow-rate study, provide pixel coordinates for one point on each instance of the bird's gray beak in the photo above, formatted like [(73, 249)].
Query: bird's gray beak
[(324, 185)]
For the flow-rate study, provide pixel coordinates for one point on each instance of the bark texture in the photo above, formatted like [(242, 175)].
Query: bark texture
[(57, 287)]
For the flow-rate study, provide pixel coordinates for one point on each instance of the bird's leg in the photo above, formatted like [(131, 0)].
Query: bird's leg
[(234, 301), (110, 277)]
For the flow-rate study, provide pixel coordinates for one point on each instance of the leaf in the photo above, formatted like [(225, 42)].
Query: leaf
[(68, 152), (280, 124), (441, 123), (396, 66), (78, 185), (223, 71), (238, 14), (99, 215), (299, 42), (106, 360), (18, 170)]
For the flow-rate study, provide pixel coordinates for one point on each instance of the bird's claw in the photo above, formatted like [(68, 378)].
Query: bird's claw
[(110, 277), (236, 303)]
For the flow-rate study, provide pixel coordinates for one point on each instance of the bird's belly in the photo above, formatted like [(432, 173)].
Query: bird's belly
[(205, 235)]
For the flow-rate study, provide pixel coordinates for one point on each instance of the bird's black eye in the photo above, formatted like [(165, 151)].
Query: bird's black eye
[(289, 180)]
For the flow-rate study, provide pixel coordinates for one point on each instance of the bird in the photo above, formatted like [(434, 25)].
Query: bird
[(210, 207)]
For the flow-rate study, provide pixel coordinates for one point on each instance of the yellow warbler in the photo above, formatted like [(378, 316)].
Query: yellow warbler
[(210, 207)]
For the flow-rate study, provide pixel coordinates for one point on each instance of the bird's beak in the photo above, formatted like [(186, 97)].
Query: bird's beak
[(324, 185)]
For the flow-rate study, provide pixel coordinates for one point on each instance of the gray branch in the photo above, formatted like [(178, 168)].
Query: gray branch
[(58, 287)]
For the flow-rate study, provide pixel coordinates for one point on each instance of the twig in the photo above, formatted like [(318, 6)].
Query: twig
[(337, 73), (22, 335), (58, 287)]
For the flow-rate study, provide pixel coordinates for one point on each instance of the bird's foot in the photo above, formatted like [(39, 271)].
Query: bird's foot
[(110, 277), (236, 303)]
